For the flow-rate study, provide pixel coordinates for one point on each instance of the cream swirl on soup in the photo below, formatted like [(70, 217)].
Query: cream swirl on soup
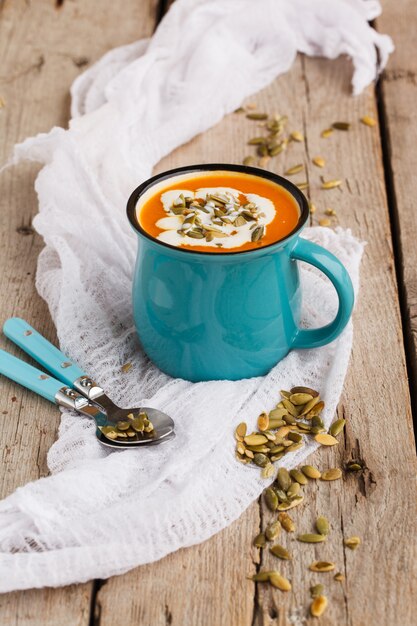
[(220, 216)]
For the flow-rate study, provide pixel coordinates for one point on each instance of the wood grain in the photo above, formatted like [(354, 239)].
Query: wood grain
[(43, 46), (375, 402), (399, 92)]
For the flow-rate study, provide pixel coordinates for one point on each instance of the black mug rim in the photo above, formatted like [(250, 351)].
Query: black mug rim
[(209, 167)]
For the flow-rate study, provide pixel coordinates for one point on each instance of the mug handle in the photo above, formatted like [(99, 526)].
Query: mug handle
[(325, 261)]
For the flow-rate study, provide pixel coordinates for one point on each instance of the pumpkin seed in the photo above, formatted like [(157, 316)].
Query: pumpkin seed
[(325, 439), (282, 431), (296, 437), (313, 208), (285, 394), (318, 422), (280, 552), (297, 136), (341, 125), (368, 121), (290, 407), (339, 576), (261, 577), (302, 185), (331, 184), (259, 541), (277, 149), (331, 474), (249, 453), (257, 233), (294, 170), (256, 141), (277, 413), (337, 427), (138, 424), (316, 590), (298, 476), (282, 496), (248, 160), (240, 221), (240, 447), (300, 398), (322, 525), (280, 582), (255, 440), (353, 467), (261, 460), (310, 405), (263, 421), (286, 506), (263, 162), (109, 432), (271, 499), (295, 446), (322, 566), (262, 448), (327, 132), (330, 212), (318, 161), (123, 425), (272, 530), (311, 538), (293, 491), (286, 522), (262, 150), (289, 419), (318, 606), (352, 542), (268, 471), (257, 116), (310, 471), (325, 222), (283, 478)]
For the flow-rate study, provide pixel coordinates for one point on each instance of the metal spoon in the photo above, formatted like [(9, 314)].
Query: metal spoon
[(32, 342)]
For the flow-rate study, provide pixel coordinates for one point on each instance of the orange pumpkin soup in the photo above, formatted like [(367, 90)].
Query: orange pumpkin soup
[(217, 211)]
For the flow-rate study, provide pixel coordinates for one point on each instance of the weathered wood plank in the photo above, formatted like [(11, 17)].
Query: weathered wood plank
[(316, 93), (399, 92), (43, 46)]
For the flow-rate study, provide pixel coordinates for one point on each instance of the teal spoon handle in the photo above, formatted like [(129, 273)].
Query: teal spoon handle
[(29, 376), (44, 352)]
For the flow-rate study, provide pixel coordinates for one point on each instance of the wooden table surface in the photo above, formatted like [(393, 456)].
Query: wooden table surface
[(44, 45)]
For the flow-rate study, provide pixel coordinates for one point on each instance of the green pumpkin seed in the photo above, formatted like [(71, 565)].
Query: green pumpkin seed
[(339, 576), (285, 394), (261, 577), (283, 478), (289, 419), (281, 494), (341, 125), (307, 407), (138, 424), (257, 116), (294, 170), (352, 542), (286, 506), (256, 141), (322, 566), (322, 525), (109, 432), (259, 541), (280, 582), (290, 407), (310, 471), (331, 474), (353, 466), (300, 398), (331, 184), (280, 552), (295, 437), (293, 491), (261, 460), (257, 233), (271, 499), (326, 440), (311, 538), (337, 427), (295, 446), (248, 160), (286, 522), (255, 440), (277, 413), (268, 471), (298, 476), (316, 410), (316, 590), (276, 423), (272, 530), (123, 425)]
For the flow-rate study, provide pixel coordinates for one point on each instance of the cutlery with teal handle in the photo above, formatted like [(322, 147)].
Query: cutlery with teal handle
[(74, 389)]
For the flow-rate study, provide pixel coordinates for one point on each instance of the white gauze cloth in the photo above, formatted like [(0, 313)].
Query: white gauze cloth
[(135, 105)]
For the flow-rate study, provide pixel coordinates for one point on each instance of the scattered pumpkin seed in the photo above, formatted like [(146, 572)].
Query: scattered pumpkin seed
[(339, 576), (263, 162), (316, 590), (261, 460), (257, 116), (126, 367), (261, 577), (293, 491), (294, 170), (331, 474), (313, 208), (324, 221), (322, 566), (368, 121), (263, 421), (322, 525), (286, 522), (256, 141), (311, 538), (283, 478), (300, 398), (280, 582), (241, 430), (327, 132), (353, 467), (319, 161), (255, 440), (280, 552), (271, 499), (298, 476), (268, 471), (318, 606), (331, 184), (337, 427), (297, 136), (341, 125), (273, 530), (259, 541), (248, 160), (286, 506), (302, 185), (326, 440), (352, 542), (310, 471)]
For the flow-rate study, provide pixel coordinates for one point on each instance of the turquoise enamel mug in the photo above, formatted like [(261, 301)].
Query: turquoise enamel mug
[(203, 316)]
